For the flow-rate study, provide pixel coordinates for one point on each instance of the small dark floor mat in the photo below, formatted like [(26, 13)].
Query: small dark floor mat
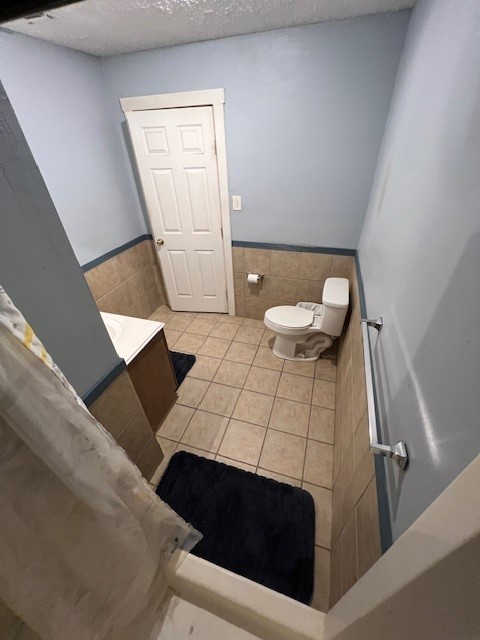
[(256, 527), (182, 363)]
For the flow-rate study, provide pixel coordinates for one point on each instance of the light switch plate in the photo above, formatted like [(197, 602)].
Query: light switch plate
[(236, 203)]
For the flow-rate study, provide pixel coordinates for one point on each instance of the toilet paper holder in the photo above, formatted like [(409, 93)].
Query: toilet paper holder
[(254, 278)]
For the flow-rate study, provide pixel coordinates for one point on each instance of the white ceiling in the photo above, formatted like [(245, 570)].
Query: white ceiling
[(108, 27)]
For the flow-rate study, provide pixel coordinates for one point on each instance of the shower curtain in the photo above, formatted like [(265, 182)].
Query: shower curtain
[(84, 543)]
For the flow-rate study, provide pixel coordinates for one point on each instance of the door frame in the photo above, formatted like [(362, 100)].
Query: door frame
[(214, 98)]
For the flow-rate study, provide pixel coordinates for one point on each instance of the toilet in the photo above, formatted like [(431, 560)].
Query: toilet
[(303, 332)]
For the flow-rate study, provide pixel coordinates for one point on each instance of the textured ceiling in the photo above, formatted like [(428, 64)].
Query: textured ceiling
[(108, 27)]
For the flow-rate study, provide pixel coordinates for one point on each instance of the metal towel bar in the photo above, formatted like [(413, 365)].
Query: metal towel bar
[(397, 452)]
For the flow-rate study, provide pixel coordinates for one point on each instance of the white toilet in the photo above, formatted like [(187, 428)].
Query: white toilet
[(305, 331)]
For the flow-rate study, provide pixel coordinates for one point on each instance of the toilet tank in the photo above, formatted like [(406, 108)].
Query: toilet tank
[(335, 305)]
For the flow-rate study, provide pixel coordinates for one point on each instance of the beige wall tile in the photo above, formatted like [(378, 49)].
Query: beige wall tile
[(319, 464), (135, 434), (290, 416), (255, 308), (130, 261), (337, 513), (283, 290), (253, 407), (205, 431), (348, 547), (298, 388), (111, 272), (191, 392), (233, 374), (285, 264), (239, 306), (117, 300), (138, 285), (283, 453), (256, 261), (239, 282), (237, 253), (342, 267), (364, 466), (321, 591), (322, 499), (314, 266), (310, 291), (142, 308), (175, 424), (243, 441), (205, 367), (279, 477), (150, 458), (368, 530), (324, 394), (258, 290), (322, 422), (116, 405), (262, 380), (335, 575), (98, 287), (220, 399)]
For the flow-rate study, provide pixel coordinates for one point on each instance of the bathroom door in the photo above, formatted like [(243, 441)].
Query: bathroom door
[(177, 163)]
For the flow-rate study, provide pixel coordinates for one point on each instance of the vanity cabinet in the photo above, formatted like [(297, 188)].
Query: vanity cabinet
[(153, 377)]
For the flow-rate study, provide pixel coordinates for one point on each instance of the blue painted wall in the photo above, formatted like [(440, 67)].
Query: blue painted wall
[(420, 256), (61, 103), (305, 115)]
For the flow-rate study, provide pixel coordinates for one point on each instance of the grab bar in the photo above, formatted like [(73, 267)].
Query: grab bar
[(399, 451)]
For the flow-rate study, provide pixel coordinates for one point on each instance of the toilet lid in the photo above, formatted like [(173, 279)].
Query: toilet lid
[(288, 316)]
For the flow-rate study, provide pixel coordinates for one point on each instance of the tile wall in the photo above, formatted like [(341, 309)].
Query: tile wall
[(290, 277), (119, 410), (355, 522), (130, 283)]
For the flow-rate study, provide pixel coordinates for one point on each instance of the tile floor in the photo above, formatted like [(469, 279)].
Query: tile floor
[(243, 406)]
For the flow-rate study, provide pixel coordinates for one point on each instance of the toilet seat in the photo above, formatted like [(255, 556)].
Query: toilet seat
[(290, 317)]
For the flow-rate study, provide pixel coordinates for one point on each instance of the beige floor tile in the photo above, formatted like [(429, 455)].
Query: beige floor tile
[(231, 319), (253, 407), (171, 336), (262, 380), (324, 394), (249, 335), (323, 513), (279, 477), (212, 317), (160, 316), (268, 338), (266, 359), (168, 447), (163, 308), (243, 441), (204, 368), (224, 330), (215, 347), (174, 425), (191, 392), (321, 591), (299, 368), (189, 343), (298, 388), (326, 369), (220, 399), (240, 352), (205, 431), (233, 374), (197, 452), (290, 416), (200, 326), (252, 322), (235, 463), (283, 453), (322, 424), (178, 322), (319, 464), (185, 314)]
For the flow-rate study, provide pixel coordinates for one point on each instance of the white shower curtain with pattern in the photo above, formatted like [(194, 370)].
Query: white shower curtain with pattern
[(85, 544)]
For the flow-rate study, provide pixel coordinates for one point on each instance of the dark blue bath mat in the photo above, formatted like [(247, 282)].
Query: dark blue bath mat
[(182, 363), (256, 527)]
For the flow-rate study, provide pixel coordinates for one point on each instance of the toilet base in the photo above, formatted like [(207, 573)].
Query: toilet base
[(286, 349)]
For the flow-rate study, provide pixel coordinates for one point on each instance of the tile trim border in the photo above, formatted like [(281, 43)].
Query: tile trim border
[(103, 383), (293, 247), (114, 252), (386, 539)]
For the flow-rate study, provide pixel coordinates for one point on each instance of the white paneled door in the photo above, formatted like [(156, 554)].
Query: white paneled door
[(177, 163)]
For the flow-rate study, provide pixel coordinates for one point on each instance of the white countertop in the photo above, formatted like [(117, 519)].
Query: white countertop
[(130, 335)]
